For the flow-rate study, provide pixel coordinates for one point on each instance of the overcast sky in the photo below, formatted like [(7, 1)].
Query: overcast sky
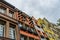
[(49, 9)]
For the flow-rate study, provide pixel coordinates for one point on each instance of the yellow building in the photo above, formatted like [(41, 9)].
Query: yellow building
[(46, 27)]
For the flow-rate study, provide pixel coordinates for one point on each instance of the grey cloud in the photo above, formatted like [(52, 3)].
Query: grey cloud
[(39, 8)]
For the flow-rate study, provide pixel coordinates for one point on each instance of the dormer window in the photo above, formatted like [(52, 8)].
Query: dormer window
[(11, 14), (2, 10)]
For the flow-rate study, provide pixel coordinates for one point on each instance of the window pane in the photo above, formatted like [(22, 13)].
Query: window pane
[(20, 25), (11, 14), (1, 30), (12, 33), (31, 38), (22, 37), (43, 39), (2, 10)]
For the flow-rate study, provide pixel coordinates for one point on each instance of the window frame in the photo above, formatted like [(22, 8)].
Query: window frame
[(3, 9), (11, 14), (3, 24), (14, 28)]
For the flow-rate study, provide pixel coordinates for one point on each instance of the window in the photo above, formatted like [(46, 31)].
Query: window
[(43, 39), (33, 30), (20, 25), (1, 30), (22, 37), (11, 14), (2, 25), (12, 32), (25, 28), (31, 38), (2, 10)]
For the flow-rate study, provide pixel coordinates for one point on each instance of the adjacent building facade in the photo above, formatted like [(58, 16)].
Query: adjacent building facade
[(48, 29)]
